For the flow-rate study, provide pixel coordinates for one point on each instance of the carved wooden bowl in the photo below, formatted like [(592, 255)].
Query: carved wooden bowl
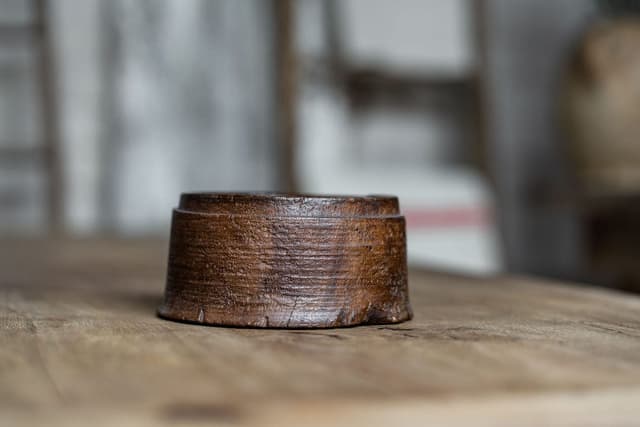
[(286, 261)]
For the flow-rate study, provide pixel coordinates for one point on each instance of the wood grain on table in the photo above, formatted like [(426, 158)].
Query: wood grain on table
[(80, 344)]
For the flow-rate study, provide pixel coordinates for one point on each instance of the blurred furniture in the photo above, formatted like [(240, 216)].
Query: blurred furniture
[(601, 115), (602, 93), (427, 63), (80, 341), (612, 240), (391, 101), (20, 160), (527, 45)]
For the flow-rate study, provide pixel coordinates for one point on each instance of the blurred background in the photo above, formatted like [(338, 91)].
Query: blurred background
[(510, 129)]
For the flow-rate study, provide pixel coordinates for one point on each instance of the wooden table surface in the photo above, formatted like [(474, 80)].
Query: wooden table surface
[(80, 344)]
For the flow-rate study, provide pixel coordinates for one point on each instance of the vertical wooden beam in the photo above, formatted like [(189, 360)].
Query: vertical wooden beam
[(48, 108), (481, 147), (110, 132), (286, 75)]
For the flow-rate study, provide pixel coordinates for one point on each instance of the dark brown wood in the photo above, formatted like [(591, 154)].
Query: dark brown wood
[(286, 72), (287, 261), (50, 126)]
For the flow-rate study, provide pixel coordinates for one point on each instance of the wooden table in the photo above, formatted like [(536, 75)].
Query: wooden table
[(80, 345)]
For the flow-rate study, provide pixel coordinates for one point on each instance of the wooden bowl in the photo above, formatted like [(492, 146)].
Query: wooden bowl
[(286, 261)]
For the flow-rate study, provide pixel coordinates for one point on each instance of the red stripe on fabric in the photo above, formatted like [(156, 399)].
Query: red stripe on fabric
[(446, 217)]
